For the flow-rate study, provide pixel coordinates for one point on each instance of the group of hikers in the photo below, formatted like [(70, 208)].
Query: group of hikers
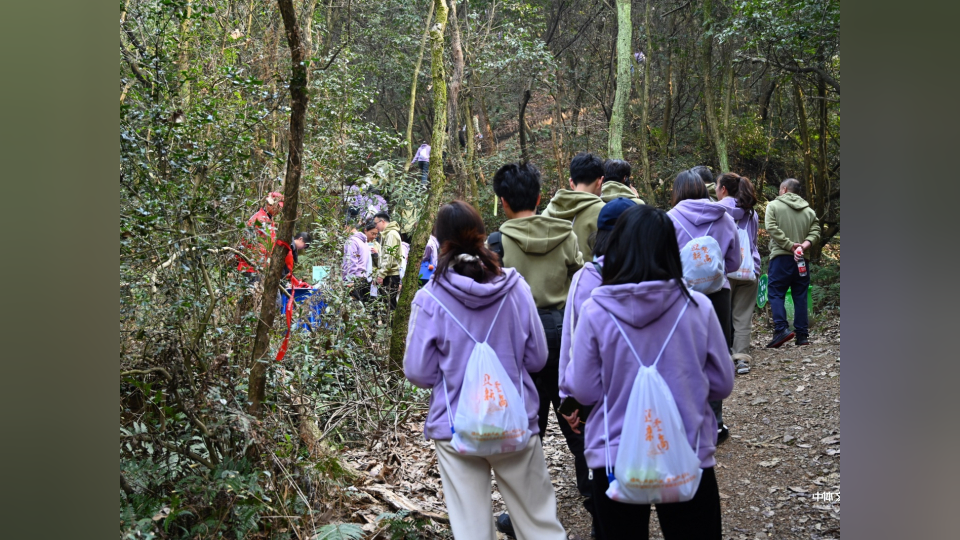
[(597, 308), (630, 322)]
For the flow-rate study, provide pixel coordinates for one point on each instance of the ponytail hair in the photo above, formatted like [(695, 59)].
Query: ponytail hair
[(461, 235), (741, 189)]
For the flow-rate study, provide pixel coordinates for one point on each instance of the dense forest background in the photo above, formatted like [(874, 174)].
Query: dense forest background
[(222, 102)]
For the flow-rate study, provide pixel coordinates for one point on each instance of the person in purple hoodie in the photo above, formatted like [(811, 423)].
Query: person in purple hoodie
[(695, 213), (584, 281), (737, 197), (643, 290), (470, 283), (357, 261)]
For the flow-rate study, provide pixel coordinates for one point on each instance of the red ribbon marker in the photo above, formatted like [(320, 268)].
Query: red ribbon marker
[(286, 338)]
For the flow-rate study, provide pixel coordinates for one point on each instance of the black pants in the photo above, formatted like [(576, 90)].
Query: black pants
[(360, 290), (721, 304), (547, 382), (391, 287), (698, 518)]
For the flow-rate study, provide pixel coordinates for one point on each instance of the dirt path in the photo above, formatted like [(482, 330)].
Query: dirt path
[(784, 451)]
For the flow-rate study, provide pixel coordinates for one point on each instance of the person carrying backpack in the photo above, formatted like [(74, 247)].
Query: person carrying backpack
[(584, 281), (471, 314), (643, 314), (738, 199), (695, 217)]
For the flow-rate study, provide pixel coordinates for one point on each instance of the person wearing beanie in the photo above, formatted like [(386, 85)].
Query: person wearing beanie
[(584, 282)]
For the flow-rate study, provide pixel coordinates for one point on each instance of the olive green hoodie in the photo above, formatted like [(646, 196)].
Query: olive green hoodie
[(789, 219), (712, 191), (612, 190), (581, 210), (545, 252), (390, 256)]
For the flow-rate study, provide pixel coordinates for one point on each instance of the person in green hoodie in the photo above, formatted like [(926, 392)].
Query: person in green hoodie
[(616, 182), (390, 256), (545, 251), (581, 204), (793, 227), (708, 180)]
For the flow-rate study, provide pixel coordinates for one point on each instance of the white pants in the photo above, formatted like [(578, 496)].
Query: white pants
[(523, 481)]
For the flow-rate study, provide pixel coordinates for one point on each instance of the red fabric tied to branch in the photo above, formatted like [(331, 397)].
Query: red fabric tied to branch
[(286, 338)]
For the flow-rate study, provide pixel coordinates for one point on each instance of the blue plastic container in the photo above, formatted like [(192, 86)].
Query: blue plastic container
[(309, 298), (425, 271)]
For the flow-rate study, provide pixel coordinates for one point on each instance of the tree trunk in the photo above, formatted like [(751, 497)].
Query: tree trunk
[(413, 91), (453, 102), (624, 60), (309, 7), (489, 147), (727, 91), (291, 190), (645, 183), (556, 134), (668, 102), (411, 278), (717, 136), (804, 136), (184, 60), (472, 124), (821, 186), (524, 156), (765, 98)]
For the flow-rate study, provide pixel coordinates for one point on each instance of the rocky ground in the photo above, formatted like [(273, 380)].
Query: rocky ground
[(777, 473)]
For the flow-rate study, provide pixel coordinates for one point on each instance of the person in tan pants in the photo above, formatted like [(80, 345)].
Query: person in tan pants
[(523, 481), (737, 197), (472, 301)]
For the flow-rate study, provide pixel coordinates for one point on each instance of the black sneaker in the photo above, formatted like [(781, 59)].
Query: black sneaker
[(722, 435), (803, 340), (505, 526), (781, 338)]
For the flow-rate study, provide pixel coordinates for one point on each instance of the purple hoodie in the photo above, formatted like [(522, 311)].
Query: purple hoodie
[(695, 365), (588, 280), (356, 253), (435, 343), (749, 224), (697, 215)]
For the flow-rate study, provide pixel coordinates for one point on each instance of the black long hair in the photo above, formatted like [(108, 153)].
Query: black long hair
[(688, 185), (655, 257), (740, 188), (460, 232)]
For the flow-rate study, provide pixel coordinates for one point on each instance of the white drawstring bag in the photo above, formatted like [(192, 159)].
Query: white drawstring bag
[(745, 271), (702, 261), (655, 463), (491, 415)]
